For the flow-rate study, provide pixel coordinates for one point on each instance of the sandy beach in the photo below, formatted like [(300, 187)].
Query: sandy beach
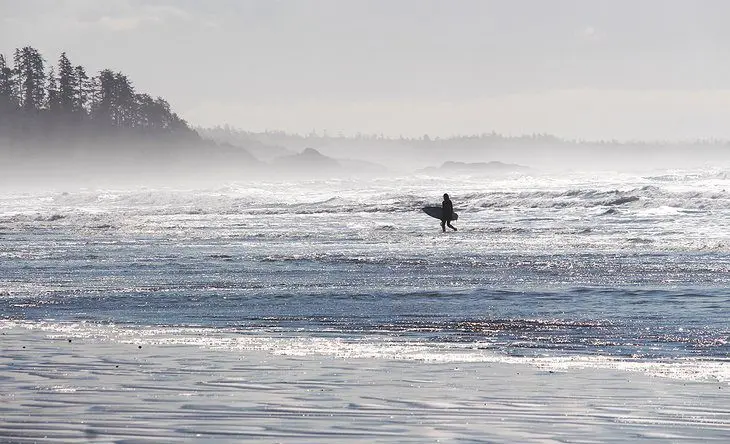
[(67, 388)]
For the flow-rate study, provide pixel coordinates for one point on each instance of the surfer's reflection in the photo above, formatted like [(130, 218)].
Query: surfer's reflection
[(447, 213)]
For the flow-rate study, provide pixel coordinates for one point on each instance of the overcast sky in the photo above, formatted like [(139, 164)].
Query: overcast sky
[(622, 69)]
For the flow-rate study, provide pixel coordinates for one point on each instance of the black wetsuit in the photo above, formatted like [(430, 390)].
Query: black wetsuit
[(447, 209), (447, 212)]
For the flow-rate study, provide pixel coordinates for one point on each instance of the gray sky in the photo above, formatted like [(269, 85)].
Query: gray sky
[(575, 68)]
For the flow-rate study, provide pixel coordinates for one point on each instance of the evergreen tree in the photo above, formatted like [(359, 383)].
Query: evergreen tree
[(103, 99), (124, 104), (66, 84), (30, 78), (53, 99), (8, 105), (83, 88), (146, 117), (7, 88), (94, 95), (163, 117)]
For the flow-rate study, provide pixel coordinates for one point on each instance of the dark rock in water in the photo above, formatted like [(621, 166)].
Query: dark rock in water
[(51, 218), (639, 240), (623, 200), (225, 257)]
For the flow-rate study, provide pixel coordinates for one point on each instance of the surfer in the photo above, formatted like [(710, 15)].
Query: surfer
[(447, 212)]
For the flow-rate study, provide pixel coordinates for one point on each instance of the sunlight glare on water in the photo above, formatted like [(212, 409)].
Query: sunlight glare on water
[(578, 267)]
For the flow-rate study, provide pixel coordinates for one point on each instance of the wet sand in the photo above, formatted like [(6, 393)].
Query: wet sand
[(92, 390)]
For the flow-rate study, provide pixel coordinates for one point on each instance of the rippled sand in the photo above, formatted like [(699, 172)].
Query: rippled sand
[(92, 390)]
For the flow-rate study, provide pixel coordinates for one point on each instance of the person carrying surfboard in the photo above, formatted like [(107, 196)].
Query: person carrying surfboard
[(447, 213)]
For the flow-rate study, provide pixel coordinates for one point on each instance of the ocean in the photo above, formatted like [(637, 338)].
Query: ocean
[(624, 271)]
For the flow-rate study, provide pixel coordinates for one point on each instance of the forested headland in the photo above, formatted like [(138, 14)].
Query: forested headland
[(39, 100), (58, 119)]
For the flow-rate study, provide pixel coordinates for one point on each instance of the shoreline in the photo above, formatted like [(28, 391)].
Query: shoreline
[(95, 390)]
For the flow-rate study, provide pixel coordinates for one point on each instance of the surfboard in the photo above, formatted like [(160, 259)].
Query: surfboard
[(436, 212)]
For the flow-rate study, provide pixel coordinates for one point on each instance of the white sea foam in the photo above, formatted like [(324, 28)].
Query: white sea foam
[(532, 213), (364, 347)]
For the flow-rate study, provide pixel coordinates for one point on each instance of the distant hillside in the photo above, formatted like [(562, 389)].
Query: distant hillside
[(310, 163), (307, 158), (405, 154), (477, 168), (260, 149)]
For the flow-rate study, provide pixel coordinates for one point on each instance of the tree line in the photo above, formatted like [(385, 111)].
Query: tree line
[(41, 100), (233, 135)]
